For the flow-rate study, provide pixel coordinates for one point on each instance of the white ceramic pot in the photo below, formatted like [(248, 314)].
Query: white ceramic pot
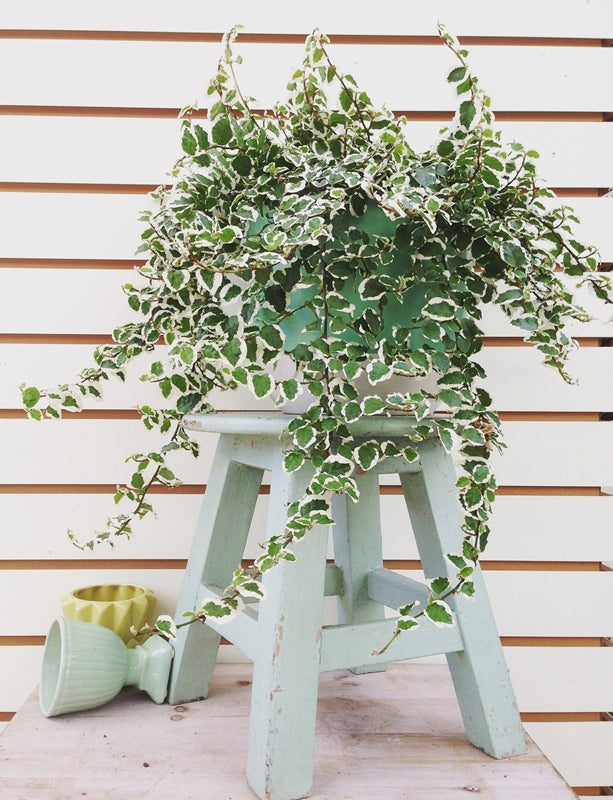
[(286, 368)]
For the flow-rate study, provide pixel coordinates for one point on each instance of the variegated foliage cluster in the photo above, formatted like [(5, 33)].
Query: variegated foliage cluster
[(261, 231)]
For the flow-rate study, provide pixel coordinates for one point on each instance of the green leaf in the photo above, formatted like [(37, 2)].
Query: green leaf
[(188, 142), (242, 164), (407, 623), (228, 234), (450, 398), (367, 455), (440, 309), (351, 411), (305, 436), (290, 388), (446, 439), (272, 336), (30, 396), (372, 405), (439, 613), (188, 402), (293, 461), (481, 473), (513, 254), (177, 278), (202, 136), (526, 323), (410, 454), (180, 382), (456, 75), (371, 288), (262, 385), (378, 371), (345, 100), (509, 296), (473, 435), (473, 498), (137, 481), (221, 132), (439, 585), (457, 561), (351, 369), (493, 163), (187, 355), (232, 351), (467, 113), (444, 148)]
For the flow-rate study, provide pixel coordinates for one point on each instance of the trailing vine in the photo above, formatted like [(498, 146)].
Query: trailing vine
[(318, 216)]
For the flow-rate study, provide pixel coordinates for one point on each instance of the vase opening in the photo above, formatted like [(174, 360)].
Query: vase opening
[(53, 668), (111, 592)]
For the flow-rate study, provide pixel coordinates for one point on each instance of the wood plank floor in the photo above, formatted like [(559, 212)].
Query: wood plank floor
[(394, 735)]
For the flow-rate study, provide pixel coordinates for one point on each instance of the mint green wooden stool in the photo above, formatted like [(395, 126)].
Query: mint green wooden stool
[(285, 638)]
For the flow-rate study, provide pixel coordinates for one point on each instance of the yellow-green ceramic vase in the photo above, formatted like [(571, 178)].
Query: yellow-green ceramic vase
[(115, 606)]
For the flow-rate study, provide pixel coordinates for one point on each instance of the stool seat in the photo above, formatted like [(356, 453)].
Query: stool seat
[(285, 635)]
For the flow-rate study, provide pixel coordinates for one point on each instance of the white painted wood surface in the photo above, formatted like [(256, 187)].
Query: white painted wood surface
[(537, 454), (132, 150), (543, 681), (581, 18), (562, 530), (148, 74), (527, 603), (524, 529), (580, 750), (532, 388), (106, 226), (91, 301)]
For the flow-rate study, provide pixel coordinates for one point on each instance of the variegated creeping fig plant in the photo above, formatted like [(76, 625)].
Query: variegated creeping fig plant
[(264, 229)]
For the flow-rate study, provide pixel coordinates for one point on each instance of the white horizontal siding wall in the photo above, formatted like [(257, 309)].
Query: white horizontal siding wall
[(88, 108)]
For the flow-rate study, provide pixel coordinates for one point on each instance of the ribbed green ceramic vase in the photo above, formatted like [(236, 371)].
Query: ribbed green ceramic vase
[(86, 665)]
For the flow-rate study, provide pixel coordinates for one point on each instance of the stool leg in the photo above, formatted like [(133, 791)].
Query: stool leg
[(357, 550), (479, 672), (217, 549), (286, 668)]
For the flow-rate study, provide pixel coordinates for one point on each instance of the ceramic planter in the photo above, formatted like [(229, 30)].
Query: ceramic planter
[(286, 368), (86, 665), (397, 310), (115, 606)]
